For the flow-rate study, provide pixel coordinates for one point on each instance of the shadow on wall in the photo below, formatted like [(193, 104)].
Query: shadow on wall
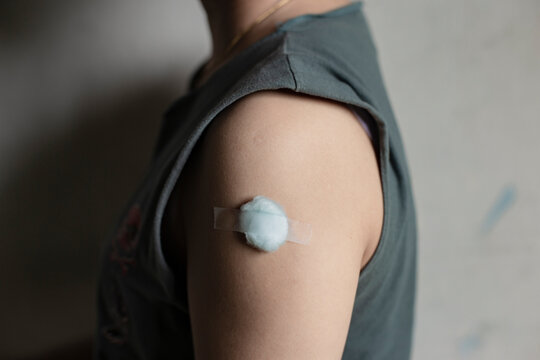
[(20, 19), (59, 204), (64, 193)]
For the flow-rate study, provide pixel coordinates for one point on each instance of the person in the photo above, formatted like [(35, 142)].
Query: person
[(290, 105)]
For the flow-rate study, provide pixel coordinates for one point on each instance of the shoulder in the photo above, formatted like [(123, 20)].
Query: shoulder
[(295, 146), (312, 157)]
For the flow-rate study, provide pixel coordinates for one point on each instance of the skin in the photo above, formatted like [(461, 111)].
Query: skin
[(313, 157)]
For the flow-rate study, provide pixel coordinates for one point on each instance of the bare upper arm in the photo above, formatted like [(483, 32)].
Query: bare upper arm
[(312, 157)]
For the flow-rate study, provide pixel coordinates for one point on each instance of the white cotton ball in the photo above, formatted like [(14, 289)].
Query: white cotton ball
[(264, 223)]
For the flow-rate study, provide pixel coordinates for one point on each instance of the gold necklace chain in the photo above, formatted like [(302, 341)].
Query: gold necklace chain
[(257, 21), (240, 35)]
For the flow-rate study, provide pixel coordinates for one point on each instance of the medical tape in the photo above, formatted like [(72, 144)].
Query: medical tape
[(263, 229), (228, 219)]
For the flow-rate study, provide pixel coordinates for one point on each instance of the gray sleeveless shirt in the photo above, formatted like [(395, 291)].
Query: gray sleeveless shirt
[(142, 306)]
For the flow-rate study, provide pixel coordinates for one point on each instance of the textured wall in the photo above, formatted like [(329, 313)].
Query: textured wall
[(82, 89)]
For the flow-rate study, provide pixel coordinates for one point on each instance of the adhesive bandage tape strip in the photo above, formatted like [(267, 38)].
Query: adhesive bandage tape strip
[(264, 223)]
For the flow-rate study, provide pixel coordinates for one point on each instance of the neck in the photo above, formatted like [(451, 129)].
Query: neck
[(227, 18)]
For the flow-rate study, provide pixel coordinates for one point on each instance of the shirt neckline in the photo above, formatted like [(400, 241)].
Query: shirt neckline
[(280, 27)]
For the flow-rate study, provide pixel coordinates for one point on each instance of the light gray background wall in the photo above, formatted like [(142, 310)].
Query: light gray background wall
[(82, 88)]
